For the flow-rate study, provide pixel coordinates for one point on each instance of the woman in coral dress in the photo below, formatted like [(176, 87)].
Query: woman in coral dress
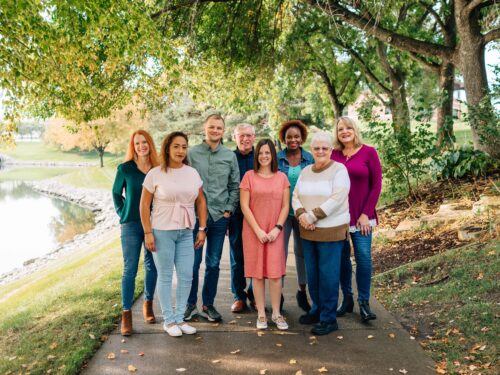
[(264, 199)]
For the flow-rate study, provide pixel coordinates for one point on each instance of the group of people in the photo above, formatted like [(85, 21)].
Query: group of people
[(175, 202)]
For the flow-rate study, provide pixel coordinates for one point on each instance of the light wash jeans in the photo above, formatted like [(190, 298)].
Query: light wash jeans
[(132, 237), (174, 248)]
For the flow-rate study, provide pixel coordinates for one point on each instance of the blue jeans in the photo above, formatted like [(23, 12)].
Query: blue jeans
[(323, 272), (238, 280), (174, 248), (215, 242), (362, 253), (292, 223), (132, 238)]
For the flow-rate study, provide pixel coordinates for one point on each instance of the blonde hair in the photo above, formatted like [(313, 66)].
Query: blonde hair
[(358, 141)]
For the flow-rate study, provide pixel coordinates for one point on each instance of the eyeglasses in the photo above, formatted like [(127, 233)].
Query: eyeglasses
[(245, 135), (318, 149)]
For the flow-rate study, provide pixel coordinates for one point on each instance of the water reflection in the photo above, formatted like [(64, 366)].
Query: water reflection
[(32, 224)]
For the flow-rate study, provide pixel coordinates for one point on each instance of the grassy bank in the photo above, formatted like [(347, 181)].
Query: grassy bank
[(32, 174), (53, 321), (450, 303), (39, 151)]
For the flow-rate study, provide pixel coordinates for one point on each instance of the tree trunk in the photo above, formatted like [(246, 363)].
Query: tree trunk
[(473, 69), (338, 106), (444, 120), (101, 156)]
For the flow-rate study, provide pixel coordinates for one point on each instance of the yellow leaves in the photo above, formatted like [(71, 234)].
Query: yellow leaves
[(53, 345), (299, 372), (111, 356), (441, 368), (392, 335), (322, 369), (293, 361), (480, 276), (279, 345), (260, 333), (132, 368), (216, 361), (237, 351)]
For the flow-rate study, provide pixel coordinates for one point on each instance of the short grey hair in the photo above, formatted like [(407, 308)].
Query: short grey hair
[(322, 136), (244, 125)]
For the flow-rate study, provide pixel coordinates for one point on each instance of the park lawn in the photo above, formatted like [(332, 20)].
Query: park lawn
[(39, 151), (93, 177), (54, 320), (449, 302), (32, 173)]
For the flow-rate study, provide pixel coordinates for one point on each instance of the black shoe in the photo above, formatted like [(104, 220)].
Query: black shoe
[(324, 328), (211, 313), (190, 312), (365, 312), (309, 319), (347, 306), (302, 300)]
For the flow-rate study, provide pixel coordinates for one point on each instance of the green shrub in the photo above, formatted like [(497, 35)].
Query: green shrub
[(462, 162)]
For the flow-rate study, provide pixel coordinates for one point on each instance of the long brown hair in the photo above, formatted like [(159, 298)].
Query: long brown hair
[(274, 161), (153, 155), (165, 148)]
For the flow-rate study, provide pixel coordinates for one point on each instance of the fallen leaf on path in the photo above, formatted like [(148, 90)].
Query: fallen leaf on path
[(238, 317), (293, 361), (123, 340), (103, 338), (472, 367), (480, 276), (312, 337), (323, 369), (280, 345), (412, 337), (91, 336), (111, 355), (132, 368), (340, 337), (263, 372), (216, 361), (232, 322), (403, 371), (371, 336), (391, 369), (392, 335), (181, 369), (124, 351), (260, 333), (215, 325), (141, 354), (236, 351)]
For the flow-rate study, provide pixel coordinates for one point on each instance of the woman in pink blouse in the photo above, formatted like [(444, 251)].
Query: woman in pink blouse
[(173, 188), (363, 165)]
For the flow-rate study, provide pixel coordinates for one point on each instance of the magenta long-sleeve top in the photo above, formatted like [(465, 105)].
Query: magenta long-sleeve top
[(365, 173)]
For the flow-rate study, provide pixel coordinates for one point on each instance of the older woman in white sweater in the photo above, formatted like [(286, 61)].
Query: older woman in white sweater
[(320, 202)]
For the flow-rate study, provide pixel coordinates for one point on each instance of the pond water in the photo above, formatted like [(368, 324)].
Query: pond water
[(31, 224)]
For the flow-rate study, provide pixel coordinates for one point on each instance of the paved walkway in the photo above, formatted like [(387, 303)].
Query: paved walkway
[(236, 347)]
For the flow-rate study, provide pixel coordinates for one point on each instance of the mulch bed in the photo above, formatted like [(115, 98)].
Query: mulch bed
[(420, 245)]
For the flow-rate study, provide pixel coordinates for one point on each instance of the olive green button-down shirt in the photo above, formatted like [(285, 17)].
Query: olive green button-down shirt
[(221, 177)]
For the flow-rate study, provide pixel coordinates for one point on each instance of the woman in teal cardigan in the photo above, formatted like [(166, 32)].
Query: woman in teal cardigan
[(140, 158)]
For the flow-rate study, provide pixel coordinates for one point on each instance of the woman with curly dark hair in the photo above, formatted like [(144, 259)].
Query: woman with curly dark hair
[(291, 161)]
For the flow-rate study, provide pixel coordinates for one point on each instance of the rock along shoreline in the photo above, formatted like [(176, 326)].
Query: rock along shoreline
[(98, 200)]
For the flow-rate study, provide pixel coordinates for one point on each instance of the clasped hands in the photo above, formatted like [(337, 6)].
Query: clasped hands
[(307, 220), (267, 237)]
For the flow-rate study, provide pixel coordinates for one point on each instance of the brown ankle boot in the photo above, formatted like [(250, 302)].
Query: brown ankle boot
[(147, 311), (126, 328)]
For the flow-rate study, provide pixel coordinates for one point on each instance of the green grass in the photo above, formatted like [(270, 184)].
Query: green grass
[(91, 177), (54, 320), (40, 151), (31, 174), (456, 317)]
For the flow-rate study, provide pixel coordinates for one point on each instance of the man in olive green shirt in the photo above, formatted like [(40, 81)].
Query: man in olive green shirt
[(218, 168)]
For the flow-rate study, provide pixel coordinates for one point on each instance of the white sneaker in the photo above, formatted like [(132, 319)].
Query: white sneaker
[(280, 322), (261, 322), (187, 329), (173, 330)]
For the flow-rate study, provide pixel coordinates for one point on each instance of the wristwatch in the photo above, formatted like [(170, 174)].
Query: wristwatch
[(279, 226), (203, 229)]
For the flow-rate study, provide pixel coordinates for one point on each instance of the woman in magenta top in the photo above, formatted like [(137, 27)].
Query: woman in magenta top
[(363, 165)]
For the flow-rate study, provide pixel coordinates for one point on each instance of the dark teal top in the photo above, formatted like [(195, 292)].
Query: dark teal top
[(128, 179)]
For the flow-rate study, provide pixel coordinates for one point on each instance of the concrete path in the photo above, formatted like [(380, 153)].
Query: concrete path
[(236, 347)]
